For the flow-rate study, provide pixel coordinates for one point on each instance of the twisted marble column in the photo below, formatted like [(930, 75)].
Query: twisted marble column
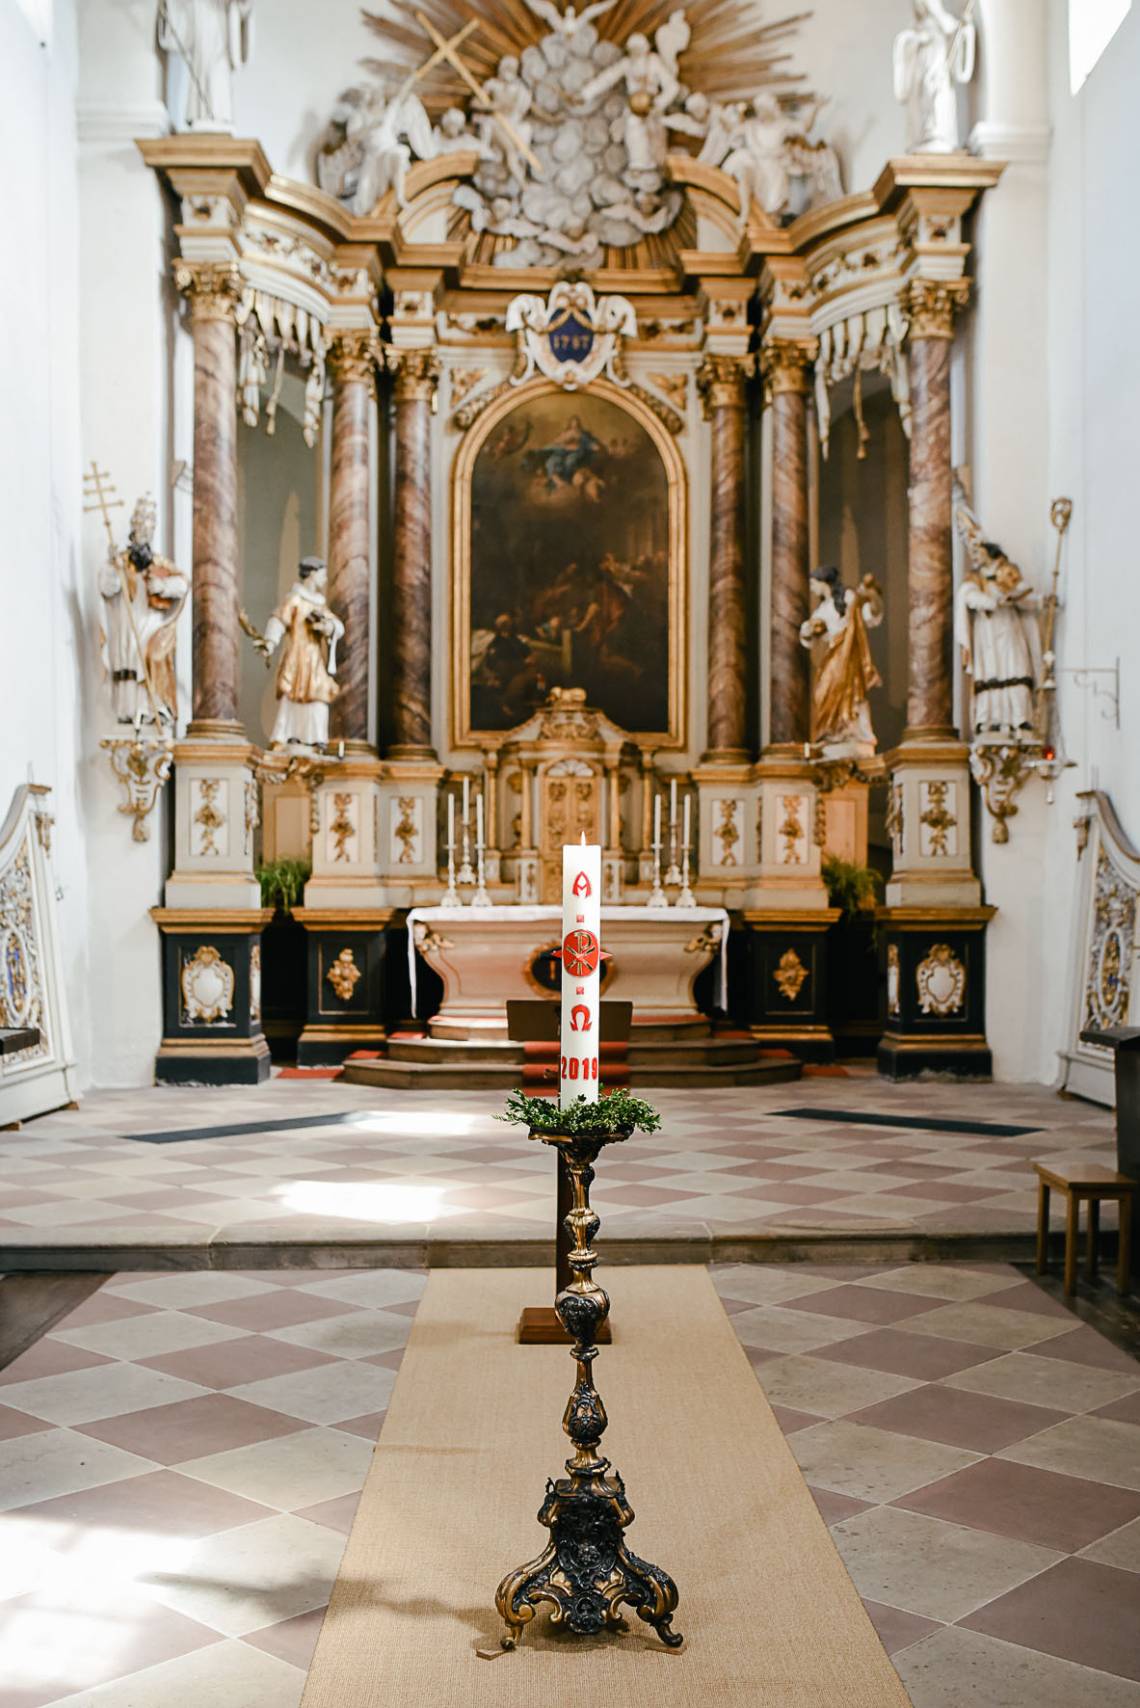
[(417, 375), (930, 306), (351, 362), (721, 383), (786, 367), (214, 291)]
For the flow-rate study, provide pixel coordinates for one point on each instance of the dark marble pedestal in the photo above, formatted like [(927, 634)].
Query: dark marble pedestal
[(211, 997), (787, 980), (345, 983), (936, 991)]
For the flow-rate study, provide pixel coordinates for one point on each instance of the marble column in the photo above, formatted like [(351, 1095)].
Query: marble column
[(786, 367), (417, 375), (930, 306), (721, 382), (351, 363), (214, 291)]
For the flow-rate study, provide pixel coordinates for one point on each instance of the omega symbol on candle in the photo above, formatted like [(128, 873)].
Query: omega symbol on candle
[(580, 954), (583, 1024)]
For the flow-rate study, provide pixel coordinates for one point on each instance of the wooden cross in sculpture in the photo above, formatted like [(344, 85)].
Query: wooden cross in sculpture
[(445, 49)]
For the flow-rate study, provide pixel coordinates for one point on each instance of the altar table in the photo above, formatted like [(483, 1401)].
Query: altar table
[(484, 956)]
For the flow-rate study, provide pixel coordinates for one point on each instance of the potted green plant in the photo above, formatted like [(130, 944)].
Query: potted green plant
[(283, 956)]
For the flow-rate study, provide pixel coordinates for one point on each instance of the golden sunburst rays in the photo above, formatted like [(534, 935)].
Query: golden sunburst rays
[(733, 52)]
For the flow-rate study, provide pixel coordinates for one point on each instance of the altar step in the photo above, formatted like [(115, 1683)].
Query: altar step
[(445, 1064)]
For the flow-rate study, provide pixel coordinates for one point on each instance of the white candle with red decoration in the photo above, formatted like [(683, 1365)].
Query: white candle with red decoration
[(581, 971)]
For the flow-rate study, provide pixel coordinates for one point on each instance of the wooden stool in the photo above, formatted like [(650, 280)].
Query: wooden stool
[(1092, 1181)]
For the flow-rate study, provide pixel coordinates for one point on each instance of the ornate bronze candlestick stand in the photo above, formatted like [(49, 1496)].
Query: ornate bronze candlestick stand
[(586, 1572)]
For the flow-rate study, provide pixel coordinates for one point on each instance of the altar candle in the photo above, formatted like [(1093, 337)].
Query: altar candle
[(657, 821), (685, 832), (450, 823), (581, 971), (672, 803), (479, 820), (466, 801)]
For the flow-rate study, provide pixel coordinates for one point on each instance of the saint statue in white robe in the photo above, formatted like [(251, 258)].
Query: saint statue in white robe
[(143, 595), (995, 625), (211, 38)]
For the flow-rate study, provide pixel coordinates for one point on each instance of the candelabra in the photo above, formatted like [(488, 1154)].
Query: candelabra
[(657, 896), (466, 874), (480, 897), (586, 1572), (673, 873), (686, 897)]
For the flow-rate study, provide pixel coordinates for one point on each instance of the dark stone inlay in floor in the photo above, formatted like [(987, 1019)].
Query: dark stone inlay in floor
[(284, 1124), (931, 1123)]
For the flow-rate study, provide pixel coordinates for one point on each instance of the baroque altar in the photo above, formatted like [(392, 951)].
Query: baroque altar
[(575, 305)]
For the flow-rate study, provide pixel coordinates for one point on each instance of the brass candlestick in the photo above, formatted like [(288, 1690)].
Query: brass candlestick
[(586, 1572)]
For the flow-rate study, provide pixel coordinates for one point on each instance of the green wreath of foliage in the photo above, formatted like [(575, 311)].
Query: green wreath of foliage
[(614, 1112)]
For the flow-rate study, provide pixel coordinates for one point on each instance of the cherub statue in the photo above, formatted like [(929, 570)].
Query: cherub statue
[(308, 633), (995, 625), (651, 87), (397, 127), (717, 124), (929, 59), (453, 135), (569, 22), (211, 38), (143, 594), (844, 672)]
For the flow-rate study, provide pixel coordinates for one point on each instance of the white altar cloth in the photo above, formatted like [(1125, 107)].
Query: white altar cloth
[(521, 914)]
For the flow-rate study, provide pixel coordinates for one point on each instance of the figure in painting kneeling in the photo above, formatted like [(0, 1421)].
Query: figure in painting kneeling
[(843, 670), (308, 634)]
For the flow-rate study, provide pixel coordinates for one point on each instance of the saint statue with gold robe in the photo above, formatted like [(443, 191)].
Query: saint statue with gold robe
[(844, 672), (307, 633)]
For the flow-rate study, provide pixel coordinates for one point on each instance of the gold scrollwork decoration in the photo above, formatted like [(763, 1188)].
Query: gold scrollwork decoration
[(790, 975), (207, 985), (344, 975), (142, 766), (1001, 771), (941, 981)]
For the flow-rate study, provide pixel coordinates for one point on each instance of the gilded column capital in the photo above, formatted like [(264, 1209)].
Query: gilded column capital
[(720, 382), (931, 304), (786, 364), (213, 288), (353, 354), (417, 374)]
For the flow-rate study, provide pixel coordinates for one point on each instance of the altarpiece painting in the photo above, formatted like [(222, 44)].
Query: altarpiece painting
[(568, 564)]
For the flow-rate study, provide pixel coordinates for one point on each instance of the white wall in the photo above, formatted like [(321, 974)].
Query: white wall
[(41, 637)]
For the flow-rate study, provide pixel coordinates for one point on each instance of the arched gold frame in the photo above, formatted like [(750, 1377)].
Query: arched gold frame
[(462, 735)]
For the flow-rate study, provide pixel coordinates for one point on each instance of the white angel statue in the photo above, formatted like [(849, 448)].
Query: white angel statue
[(930, 58), (505, 125), (392, 130), (762, 162), (211, 38), (569, 22)]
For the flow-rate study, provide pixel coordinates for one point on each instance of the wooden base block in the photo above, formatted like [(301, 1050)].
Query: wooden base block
[(539, 1326)]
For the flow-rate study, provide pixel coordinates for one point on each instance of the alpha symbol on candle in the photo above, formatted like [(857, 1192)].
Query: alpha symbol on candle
[(581, 886), (582, 1025), (580, 953)]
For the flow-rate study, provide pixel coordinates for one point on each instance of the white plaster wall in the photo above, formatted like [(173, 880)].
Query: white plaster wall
[(41, 638), (1053, 378)]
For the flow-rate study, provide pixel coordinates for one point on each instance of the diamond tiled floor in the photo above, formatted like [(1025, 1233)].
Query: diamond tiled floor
[(409, 1166), (166, 1544), (987, 1505)]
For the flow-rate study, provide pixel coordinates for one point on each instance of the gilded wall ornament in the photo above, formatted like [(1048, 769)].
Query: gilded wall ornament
[(207, 817), (726, 833), (720, 382), (674, 386), (1000, 770), (790, 975), (142, 765), (893, 820), (344, 975), (792, 847), (463, 381), (406, 830), (342, 825), (23, 998), (207, 984), (572, 337), (941, 981), (938, 818), (930, 306)]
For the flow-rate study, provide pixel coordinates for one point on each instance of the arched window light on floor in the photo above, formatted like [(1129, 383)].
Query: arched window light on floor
[(1092, 25)]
